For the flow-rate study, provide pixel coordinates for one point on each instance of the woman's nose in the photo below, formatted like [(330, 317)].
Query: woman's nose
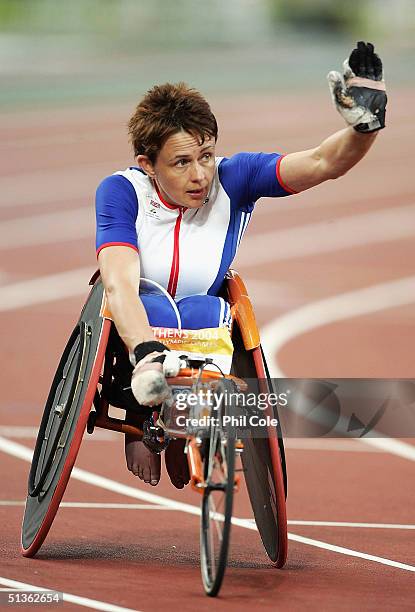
[(197, 173)]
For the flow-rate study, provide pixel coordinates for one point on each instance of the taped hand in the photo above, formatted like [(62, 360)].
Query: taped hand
[(148, 381), (359, 94)]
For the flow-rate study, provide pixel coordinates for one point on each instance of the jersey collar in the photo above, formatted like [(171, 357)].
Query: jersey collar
[(164, 202)]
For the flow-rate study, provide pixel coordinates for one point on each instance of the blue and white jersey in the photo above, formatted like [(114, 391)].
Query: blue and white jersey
[(186, 250)]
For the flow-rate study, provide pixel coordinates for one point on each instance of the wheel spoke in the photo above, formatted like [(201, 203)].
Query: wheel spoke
[(216, 517)]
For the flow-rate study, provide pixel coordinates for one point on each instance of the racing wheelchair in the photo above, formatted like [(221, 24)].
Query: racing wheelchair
[(94, 373)]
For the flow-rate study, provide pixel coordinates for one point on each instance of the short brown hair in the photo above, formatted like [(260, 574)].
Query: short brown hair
[(165, 110)]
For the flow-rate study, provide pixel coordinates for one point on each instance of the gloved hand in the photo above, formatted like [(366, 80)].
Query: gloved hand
[(153, 362), (359, 95)]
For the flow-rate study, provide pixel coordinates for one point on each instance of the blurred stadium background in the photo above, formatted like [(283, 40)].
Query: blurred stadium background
[(71, 74), (55, 52)]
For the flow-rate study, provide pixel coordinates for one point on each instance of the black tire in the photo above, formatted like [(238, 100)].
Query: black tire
[(263, 462), (279, 429), (217, 503), (266, 492), (63, 422)]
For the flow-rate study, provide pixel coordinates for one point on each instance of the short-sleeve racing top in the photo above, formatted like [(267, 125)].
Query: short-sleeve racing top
[(186, 250)]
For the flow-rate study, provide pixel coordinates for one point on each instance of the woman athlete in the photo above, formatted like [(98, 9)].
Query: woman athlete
[(178, 219)]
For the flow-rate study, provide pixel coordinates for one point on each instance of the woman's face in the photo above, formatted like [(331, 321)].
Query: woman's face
[(184, 169)]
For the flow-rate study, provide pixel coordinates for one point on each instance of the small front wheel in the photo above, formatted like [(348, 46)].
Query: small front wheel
[(217, 503)]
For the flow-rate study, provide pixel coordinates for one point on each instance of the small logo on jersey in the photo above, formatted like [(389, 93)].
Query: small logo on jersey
[(153, 209)]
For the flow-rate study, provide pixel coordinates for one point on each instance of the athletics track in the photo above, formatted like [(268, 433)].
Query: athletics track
[(332, 280)]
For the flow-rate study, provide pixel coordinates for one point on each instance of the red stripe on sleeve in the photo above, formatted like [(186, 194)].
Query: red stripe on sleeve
[(107, 244), (279, 179)]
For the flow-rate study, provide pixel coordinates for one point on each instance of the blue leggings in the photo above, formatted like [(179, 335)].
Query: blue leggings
[(196, 311)]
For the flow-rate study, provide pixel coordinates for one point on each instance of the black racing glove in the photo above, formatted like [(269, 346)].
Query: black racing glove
[(359, 94), (145, 348)]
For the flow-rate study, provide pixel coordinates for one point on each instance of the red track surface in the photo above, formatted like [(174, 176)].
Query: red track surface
[(148, 559)]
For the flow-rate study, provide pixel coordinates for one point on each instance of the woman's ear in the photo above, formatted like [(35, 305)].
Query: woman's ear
[(144, 163)]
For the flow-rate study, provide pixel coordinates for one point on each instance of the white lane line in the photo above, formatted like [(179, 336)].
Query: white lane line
[(52, 186), (327, 445), (94, 505), (117, 506), (350, 553), (346, 524), (48, 228), (310, 317), (249, 524), (22, 452), (324, 196), (342, 306), (23, 432), (18, 431), (93, 604), (328, 236), (63, 140), (390, 445), (44, 289), (267, 293), (27, 432), (84, 120)]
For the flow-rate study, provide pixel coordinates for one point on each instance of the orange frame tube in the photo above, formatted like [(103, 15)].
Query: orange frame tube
[(195, 466), (242, 310)]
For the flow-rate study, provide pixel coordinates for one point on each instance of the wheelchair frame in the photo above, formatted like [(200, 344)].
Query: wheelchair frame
[(83, 359)]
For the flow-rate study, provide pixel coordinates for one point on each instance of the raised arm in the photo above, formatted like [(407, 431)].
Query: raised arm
[(331, 159), (359, 96)]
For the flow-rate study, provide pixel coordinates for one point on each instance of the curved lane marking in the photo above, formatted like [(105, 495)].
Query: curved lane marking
[(45, 289), (40, 187), (25, 453), (339, 307), (48, 228), (340, 233), (324, 312)]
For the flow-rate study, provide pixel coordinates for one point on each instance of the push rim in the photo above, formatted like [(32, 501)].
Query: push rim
[(66, 385)]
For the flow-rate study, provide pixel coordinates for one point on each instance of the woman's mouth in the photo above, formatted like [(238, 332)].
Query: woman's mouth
[(196, 194)]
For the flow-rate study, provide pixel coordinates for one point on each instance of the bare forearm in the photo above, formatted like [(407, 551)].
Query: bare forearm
[(129, 315), (341, 151), (329, 160), (120, 272)]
